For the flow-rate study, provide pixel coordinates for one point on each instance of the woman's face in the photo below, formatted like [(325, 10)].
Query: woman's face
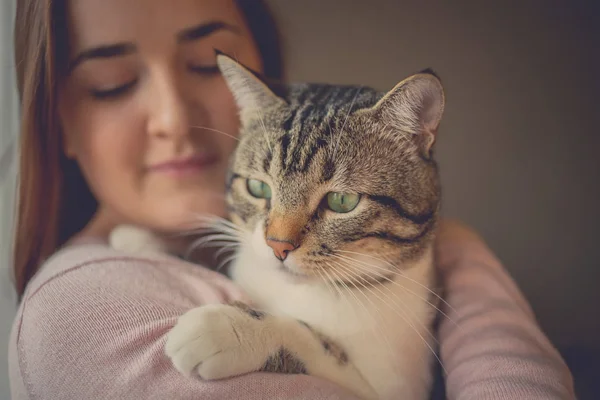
[(142, 104)]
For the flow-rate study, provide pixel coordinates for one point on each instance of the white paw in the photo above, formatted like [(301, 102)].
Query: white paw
[(215, 341)]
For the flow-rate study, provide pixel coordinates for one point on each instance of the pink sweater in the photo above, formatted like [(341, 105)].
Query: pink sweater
[(93, 321)]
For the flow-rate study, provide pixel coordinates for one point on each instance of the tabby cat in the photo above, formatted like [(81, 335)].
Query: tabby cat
[(333, 196)]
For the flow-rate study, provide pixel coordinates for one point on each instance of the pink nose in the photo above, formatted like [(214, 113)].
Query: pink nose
[(281, 248)]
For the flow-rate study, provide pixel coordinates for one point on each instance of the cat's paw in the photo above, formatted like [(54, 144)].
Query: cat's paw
[(216, 341), (221, 341)]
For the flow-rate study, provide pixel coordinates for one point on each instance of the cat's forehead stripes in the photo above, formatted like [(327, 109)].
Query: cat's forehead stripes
[(316, 119)]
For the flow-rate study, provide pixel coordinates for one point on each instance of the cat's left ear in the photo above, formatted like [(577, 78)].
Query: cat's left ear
[(251, 94), (414, 106)]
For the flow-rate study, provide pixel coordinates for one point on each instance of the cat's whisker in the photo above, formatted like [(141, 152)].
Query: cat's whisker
[(218, 227), (333, 289), (231, 229), (219, 232), (225, 261), (394, 270), (226, 249), (215, 220), (407, 320), (399, 302), (204, 224), (367, 268), (360, 273), (333, 284), (223, 232), (214, 239), (216, 242), (211, 240), (375, 325), (326, 281), (337, 289), (223, 246), (201, 230), (216, 236), (215, 130), (338, 281), (212, 245), (214, 230), (226, 230)]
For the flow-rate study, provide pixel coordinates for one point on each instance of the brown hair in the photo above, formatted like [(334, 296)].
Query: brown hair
[(54, 201)]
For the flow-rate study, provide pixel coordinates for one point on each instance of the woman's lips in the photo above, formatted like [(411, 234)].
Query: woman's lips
[(185, 166)]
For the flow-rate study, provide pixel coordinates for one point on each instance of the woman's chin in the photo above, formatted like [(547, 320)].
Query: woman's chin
[(185, 213)]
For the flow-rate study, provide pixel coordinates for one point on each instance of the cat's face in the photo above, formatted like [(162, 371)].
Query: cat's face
[(332, 174)]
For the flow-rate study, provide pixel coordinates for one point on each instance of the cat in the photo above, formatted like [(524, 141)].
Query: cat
[(334, 198)]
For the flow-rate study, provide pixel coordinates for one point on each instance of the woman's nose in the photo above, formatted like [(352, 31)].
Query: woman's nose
[(169, 113)]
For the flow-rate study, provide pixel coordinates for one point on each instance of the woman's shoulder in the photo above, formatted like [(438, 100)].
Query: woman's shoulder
[(91, 307), (94, 270), (78, 258)]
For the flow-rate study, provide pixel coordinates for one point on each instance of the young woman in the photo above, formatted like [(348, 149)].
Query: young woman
[(125, 119)]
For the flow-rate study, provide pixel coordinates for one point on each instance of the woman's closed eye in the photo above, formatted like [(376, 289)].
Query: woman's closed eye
[(117, 91), (112, 92), (204, 69)]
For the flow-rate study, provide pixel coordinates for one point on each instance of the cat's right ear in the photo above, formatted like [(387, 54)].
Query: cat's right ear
[(414, 107), (251, 94)]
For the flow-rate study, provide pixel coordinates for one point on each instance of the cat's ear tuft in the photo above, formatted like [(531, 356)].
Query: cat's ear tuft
[(251, 94), (415, 106)]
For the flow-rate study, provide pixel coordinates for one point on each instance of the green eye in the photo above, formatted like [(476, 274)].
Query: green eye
[(342, 202), (258, 189)]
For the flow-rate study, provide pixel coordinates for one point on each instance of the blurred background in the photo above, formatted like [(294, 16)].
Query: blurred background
[(518, 146)]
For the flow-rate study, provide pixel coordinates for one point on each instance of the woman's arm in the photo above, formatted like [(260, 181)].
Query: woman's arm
[(97, 330), (493, 348)]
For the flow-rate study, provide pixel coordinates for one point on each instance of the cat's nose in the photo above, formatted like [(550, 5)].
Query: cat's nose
[(281, 248)]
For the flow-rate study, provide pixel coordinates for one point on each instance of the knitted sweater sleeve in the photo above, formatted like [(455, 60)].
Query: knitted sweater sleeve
[(92, 325), (490, 343)]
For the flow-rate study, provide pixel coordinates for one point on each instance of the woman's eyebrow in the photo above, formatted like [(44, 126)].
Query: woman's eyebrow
[(107, 51), (202, 30), (121, 49)]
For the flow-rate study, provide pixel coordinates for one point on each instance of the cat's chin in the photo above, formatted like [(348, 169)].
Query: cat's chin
[(293, 274)]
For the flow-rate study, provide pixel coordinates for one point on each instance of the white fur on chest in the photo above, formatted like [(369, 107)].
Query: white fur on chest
[(384, 328)]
